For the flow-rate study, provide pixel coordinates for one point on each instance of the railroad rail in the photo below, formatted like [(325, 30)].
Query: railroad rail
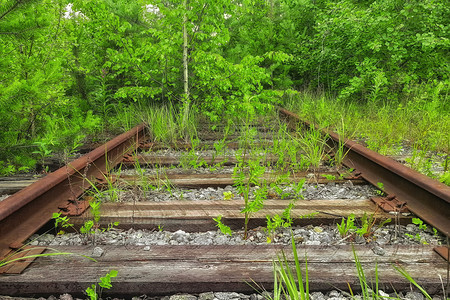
[(427, 198), (162, 270), (23, 213)]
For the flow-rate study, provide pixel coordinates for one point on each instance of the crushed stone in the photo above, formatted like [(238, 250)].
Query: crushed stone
[(330, 295), (308, 235)]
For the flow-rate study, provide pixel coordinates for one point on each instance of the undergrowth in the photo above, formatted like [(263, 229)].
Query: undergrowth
[(420, 122), (291, 279)]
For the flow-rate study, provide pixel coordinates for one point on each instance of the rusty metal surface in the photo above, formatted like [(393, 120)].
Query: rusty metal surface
[(26, 211), (427, 198), (443, 251), (28, 253), (391, 204)]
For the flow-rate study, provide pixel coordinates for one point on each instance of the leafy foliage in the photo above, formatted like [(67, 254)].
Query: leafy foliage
[(223, 228), (105, 283), (70, 67)]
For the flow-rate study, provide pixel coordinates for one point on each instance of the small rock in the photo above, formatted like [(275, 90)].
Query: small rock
[(348, 183), (325, 238), (334, 294), (65, 297), (414, 296), (312, 243), (383, 294), (411, 228), (378, 250), (206, 296), (54, 243), (256, 297), (226, 296), (299, 239), (317, 296), (183, 297), (221, 239), (318, 229), (360, 240), (147, 248), (382, 241), (267, 295), (97, 252)]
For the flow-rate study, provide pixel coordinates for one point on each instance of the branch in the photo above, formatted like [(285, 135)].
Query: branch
[(10, 33), (200, 18), (143, 72), (11, 9)]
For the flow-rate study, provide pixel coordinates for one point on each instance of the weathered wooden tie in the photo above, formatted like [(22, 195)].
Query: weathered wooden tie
[(222, 180), (198, 215), (165, 270)]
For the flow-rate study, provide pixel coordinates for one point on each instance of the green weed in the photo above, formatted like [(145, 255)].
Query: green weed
[(228, 195), (191, 159), (143, 180), (313, 146), (421, 226), (340, 152), (43, 151), (275, 222), (294, 287), (328, 176), (366, 229), (368, 292), (421, 120), (245, 174), (405, 274), (286, 148), (19, 255), (223, 228), (346, 225), (380, 191), (162, 123), (63, 222), (105, 283), (420, 162)]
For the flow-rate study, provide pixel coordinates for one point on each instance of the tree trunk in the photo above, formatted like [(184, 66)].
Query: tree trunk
[(186, 100)]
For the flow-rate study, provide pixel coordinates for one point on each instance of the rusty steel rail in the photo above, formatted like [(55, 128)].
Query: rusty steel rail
[(427, 198), (26, 211)]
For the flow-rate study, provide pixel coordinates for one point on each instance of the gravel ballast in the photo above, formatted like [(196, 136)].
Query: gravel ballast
[(264, 295), (308, 235)]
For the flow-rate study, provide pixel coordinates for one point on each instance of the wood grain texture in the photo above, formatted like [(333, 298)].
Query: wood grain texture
[(198, 215), (165, 270), (222, 180)]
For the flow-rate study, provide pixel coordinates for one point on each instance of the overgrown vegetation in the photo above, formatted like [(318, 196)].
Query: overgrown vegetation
[(74, 69), (291, 279), (94, 292), (349, 227), (417, 126)]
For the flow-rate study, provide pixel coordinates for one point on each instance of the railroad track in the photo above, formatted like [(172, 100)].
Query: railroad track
[(194, 268)]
